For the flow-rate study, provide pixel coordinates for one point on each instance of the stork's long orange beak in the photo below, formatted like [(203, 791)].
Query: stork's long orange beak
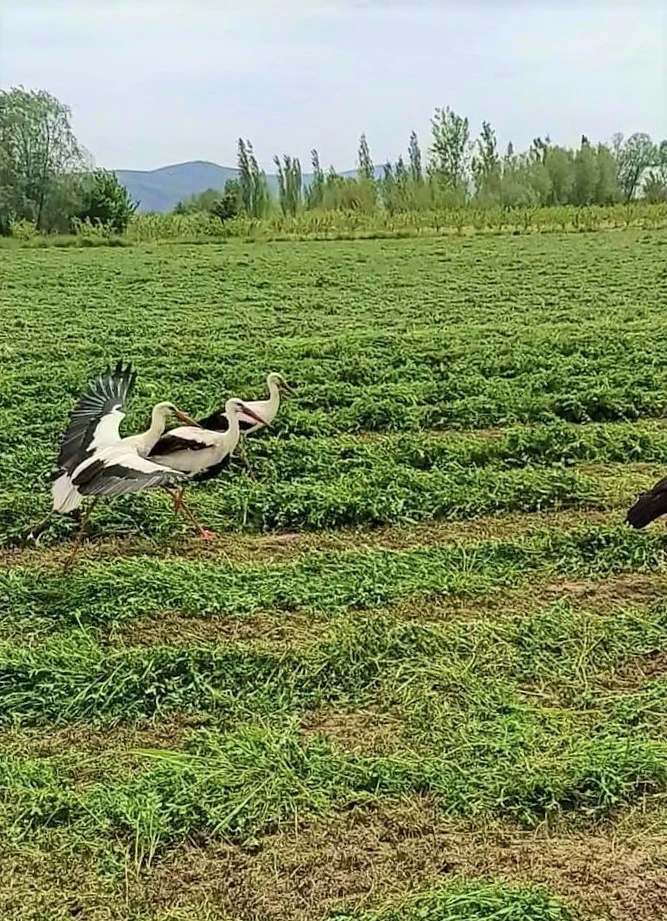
[(188, 420), (285, 387), (253, 415)]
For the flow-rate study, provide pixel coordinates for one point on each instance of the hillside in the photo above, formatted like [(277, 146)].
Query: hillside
[(162, 189)]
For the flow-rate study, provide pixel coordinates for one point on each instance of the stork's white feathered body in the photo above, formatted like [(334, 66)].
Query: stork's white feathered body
[(199, 452), (111, 465), (267, 410), (95, 461)]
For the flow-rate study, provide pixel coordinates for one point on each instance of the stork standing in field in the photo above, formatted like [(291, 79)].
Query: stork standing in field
[(649, 506), (201, 452), (95, 461), (265, 410)]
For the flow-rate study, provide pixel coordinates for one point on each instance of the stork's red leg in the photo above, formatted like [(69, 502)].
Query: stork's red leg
[(180, 506), (80, 536)]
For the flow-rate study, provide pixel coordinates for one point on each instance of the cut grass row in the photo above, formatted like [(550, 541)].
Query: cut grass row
[(368, 498), (104, 593), (327, 458), (558, 652), (372, 382), (337, 482), (472, 900), (253, 780)]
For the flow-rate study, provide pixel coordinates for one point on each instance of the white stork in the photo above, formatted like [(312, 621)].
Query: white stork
[(264, 409), (200, 453), (95, 461)]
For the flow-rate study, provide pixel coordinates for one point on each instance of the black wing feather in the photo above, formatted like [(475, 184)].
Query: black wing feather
[(649, 506), (117, 479), (111, 389), (169, 444), (216, 422)]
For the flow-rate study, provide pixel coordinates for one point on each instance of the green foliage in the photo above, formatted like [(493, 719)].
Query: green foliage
[(38, 156), (254, 193), (634, 157), (106, 202), (23, 230), (450, 151), (224, 206), (415, 159), (486, 166), (204, 201), (655, 183), (314, 193), (289, 184), (473, 900)]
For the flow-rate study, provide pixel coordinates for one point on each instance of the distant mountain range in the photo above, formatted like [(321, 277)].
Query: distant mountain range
[(162, 189)]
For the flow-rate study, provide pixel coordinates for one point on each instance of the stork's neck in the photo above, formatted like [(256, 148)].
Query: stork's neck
[(274, 396), (158, 424), (148, 439), (233, 433)]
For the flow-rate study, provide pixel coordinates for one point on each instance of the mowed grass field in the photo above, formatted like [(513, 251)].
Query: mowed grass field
[(422, 673)]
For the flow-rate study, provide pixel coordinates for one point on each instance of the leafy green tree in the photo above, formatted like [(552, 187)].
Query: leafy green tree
[(203, 201), (228, 204), (389, 195), (224, 205), (558, 162), (315, 191), (607, 189), (486, 168), (655, 184), (254, 191), (364, 196), (450, 151), (585, 182), (365, 167), (634, 157), (415, 159), (38, 153), (289, 183), (245, 176), (105, 201)]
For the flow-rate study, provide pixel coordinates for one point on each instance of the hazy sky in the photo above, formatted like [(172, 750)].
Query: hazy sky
[(152, 83)]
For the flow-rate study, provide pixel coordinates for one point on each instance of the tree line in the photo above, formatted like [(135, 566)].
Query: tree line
[(47, 179), (455, 170)]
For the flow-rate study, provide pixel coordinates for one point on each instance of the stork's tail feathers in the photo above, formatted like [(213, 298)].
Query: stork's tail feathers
[(649, 506), (66, 497)]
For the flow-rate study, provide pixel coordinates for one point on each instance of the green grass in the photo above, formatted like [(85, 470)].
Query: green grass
[(183, 731), (469, 902)]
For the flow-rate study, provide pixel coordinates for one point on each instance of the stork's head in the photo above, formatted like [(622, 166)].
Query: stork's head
[(164, 410), (278, 381), (236, 407)]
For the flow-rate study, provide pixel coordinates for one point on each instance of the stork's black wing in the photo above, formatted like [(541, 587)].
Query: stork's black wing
[(123, 472), (216, 422), (170, 444), (649, 506), (98, 412)]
